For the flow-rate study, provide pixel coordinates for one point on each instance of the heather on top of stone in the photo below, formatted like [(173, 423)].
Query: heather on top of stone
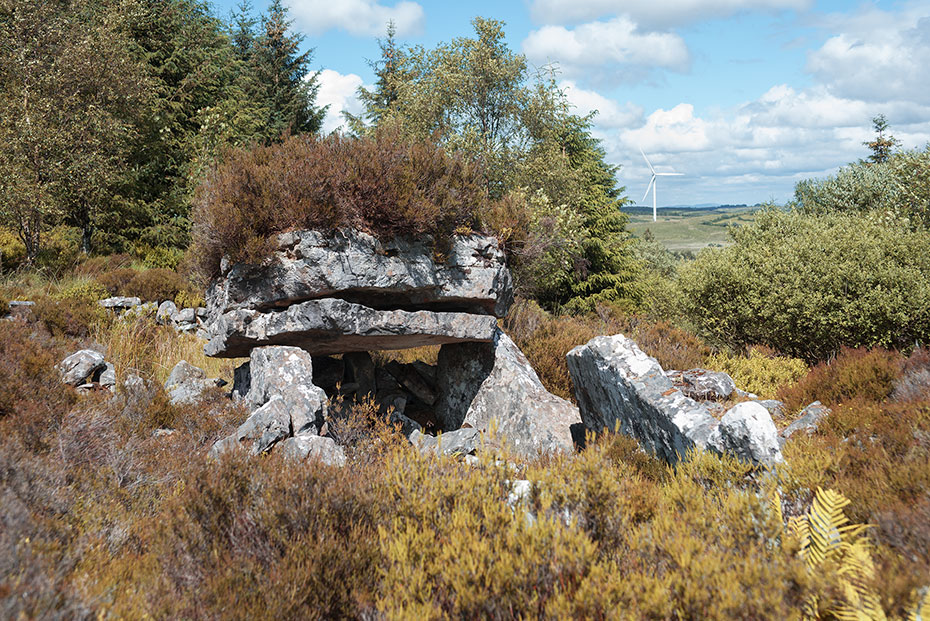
[(383, 185)]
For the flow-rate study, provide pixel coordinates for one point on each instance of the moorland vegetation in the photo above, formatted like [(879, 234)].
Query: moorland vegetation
[(190, 154)]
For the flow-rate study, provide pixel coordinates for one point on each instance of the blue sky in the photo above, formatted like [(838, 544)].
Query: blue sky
[(745, 97)]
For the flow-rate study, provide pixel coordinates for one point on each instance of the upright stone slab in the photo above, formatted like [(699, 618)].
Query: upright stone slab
[(480, 383), (617, 384), (287, 372)]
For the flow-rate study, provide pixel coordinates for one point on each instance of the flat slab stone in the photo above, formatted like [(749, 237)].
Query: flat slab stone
[(399, 273), (334, 326)]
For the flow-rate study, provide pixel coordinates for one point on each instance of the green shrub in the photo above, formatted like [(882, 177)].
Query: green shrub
[(862, 374), (898, 189), (61, 249), (74, 310), (155, 285), (12, 250), (808, 284), (382, 184), (160, 257), (762, 372)]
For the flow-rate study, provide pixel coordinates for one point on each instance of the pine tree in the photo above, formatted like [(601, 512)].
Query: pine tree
[(391, 75), (882, 145), (288, 89)]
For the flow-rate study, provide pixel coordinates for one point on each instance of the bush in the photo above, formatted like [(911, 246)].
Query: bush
[(762, 372), (382, 184), (867, 375), (808, 284), (116, 281), (12, 250), (155, 285), (96, 266), (61, 249)]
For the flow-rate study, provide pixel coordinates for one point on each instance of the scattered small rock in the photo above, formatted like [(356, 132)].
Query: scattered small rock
[(808, 420), (313, 448)]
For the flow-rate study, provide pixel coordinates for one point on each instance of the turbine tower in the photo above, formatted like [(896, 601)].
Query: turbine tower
[(652, 183)]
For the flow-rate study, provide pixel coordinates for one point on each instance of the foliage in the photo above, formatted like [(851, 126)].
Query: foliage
[(808, 284), (382, 184), (826, 536), (12, 250), (761, 372), (74, 310), (853, 374), (545, 339), (882, 145), (477, 97), (895, 191), (155, 285)]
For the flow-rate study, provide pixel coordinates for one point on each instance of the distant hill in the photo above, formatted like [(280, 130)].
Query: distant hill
[(673, 209)]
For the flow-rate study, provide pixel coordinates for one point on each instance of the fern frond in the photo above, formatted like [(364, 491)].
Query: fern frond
[(921, 609)]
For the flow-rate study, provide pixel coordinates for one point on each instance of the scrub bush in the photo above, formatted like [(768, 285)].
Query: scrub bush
[(761, 372), (382, 184), (807, 285)]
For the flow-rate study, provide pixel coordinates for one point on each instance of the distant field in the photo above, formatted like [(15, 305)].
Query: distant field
[(688, 229)]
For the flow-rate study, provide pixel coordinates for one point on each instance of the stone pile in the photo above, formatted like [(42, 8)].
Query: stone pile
[(338, 296)]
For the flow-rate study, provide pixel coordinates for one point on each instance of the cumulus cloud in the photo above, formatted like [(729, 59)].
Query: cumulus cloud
[(610, 114), (338, 92), (877, 57), (616, 47), (357, 17), (650, 13)]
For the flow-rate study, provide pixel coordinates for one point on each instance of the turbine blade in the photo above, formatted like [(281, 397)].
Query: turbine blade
[(649, 187), (647, 161), (669, 174)]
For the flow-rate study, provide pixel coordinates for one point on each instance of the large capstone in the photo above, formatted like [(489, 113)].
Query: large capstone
[(332, 326), (485, 385), (400, 273)]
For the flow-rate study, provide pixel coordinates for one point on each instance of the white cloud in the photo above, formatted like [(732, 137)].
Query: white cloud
[(877, 57), (337, 91), (651, 13), (614, 47), (610, 114), (357, 17)]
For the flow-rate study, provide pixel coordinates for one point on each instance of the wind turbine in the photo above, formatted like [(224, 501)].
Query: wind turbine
[(652, 184)]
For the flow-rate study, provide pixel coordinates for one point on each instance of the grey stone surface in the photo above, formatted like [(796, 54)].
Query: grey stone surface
[(775, 408), (313, 448), (703, 385), (480, 383), (808, 420), (186, 384), (107, 377), (287, 372), (414, 381), (332, 326), (185, 316), (80, 365), (465, 441), (619, 387), (120, 303), (266, 426), (379, 274), (747, 432), (166, 313)]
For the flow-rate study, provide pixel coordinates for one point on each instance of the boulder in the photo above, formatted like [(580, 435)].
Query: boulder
[(107, 377), (287, 372), (120, 303), (166, 313), (313, 448), (465, 441), (808, 420), (80, 365), (703, 385), (187, 383), (484, 382), (355, 266), (264, 428), (619, 387), (747, 432), (333, 326)]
